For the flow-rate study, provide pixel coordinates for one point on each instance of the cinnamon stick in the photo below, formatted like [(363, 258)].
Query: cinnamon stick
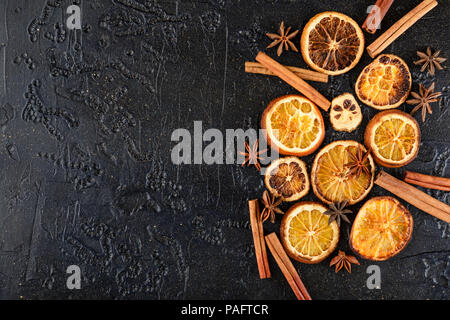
[(376, 15), (286, 266), (289, 77), (305, 74), (398, 28), (258, 239), (427, 181), (414, 196)]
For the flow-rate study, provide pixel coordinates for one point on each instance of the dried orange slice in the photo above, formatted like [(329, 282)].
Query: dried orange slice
[(382, 228), (345, 113), (294, 125), (385, 83), (394, 137), (287, 178), (306, 234), (332, 43), (332, 177)]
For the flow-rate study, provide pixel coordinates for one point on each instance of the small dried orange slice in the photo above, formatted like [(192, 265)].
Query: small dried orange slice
[(332, 178), (293, 125), (385, 83), (394, 137), (287, 178), (345, 113), (332, 43), (382, 228), (306, 234)]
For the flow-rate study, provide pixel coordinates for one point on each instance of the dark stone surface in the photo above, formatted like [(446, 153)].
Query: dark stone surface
[(86, 178)]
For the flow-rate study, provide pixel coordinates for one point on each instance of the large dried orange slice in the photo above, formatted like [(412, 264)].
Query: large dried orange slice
[(385, 83), (287, 178), (335, 176), (332, 43), (382, 228), (394, 137), (294, 125), (306, 234)]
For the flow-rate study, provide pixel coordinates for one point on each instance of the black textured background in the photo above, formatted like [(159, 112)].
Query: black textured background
[(86, 177)]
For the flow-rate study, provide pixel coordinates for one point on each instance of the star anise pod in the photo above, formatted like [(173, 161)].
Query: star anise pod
[(423, 99), (343, 260), (284, 39), (337, 212), (270, 207), (356, 164), (430, 61), (252, 155)]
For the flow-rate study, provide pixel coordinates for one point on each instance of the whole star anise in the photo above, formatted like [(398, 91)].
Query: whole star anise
[(430, 61), (423, 99), (284, 39), (356, 164), (337, 212), (343, 260), (252, 155), (270, 207)]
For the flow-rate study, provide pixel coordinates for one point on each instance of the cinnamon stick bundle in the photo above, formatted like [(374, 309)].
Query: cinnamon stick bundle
[(427, 181), (289, 77), (376, 15), (414, 196), (398, 28), (286, 266), (305, 74), (258, 239)]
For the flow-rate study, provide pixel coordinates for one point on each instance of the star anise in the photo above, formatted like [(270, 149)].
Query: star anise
[(284, 39), (423, 99), (430, 61), (337, 212), (252, 155), (270, 207), (343, 260), (356, 164)]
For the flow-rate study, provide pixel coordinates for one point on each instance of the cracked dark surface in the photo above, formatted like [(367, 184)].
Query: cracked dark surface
[(86, 118)]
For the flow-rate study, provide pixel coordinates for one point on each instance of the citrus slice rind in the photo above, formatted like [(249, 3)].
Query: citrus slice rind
[(382, 228), (293, 125), (331, 179), (385, 83), (306, 234), (394, 137), (332, 43), (287, 178)]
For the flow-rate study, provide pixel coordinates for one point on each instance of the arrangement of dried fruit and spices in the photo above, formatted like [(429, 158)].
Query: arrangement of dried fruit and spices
[(344, 171)]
